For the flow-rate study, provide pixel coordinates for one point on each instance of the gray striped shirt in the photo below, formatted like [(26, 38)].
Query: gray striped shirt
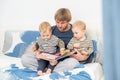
[(50, 46), (86, 45)]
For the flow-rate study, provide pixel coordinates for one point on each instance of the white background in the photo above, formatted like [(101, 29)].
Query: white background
[(27, 14)]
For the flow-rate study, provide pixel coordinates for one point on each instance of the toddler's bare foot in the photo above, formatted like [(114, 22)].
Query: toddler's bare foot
[(48, 71), (40, 73)]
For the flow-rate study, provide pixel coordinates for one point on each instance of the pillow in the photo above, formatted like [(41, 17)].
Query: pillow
[(96, 35), (7, 41), (29, 36), (12, 38), (19, 41), (93, 55)]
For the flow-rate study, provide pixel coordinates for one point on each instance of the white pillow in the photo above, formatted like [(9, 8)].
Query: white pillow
[(97, 35), (12, 38)]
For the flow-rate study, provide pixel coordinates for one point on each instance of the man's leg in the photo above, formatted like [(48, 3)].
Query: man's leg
[(65, 65), (29, 59)]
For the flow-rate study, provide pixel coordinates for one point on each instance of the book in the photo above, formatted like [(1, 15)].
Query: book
[(54, 57)]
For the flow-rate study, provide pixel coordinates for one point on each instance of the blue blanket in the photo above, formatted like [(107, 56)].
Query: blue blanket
[(27, 74)]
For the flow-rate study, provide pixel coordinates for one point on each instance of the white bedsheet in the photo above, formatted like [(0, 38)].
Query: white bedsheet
[(6, 61), (93, 69)]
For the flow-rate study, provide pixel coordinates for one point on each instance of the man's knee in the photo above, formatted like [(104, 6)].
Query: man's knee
[(29, 61), (71, 62), (65, 65), (24, 60)]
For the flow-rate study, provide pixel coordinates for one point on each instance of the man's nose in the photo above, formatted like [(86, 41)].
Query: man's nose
[(59, 25)]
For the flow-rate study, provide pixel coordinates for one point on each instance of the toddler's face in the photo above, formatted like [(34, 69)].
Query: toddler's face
[(46, 35), (77, 33)]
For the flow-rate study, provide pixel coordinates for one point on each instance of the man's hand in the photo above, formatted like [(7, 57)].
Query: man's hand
[(80, 56)]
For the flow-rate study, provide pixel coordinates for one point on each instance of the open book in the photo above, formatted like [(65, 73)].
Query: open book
[(51, 57)]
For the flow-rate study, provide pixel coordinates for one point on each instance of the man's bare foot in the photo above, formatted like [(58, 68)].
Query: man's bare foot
[(40, 73), (48, 71)]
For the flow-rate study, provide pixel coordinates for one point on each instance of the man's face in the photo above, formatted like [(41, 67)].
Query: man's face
[(62, 25)]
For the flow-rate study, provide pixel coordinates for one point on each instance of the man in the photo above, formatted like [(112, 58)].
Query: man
[(62, 30)]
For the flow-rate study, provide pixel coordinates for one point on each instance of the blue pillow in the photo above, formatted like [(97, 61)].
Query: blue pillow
[(27, 38), (93, 55)]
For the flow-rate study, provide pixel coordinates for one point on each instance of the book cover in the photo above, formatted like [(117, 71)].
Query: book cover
[(54, 57)]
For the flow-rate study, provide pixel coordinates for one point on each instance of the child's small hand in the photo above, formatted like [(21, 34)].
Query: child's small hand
[(34, 48), (65, 52), (62, 51), (76, 45)]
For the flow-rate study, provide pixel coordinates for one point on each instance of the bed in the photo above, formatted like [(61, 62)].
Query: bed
[(11, 68)]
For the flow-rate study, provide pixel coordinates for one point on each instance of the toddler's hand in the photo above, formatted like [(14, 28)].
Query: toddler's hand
[(62, 51), (65, 52), (34, 48)]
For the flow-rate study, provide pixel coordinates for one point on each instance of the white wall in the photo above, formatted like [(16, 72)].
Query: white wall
[(27, 14)]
